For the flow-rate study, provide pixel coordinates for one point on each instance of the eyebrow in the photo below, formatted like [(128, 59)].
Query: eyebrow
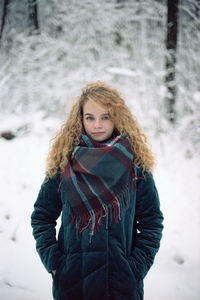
[(89, 114)]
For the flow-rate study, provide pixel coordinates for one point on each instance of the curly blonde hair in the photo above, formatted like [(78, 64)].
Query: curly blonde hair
[(125, 122)]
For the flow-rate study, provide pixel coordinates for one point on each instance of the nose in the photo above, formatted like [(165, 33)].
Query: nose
[(97, 123)]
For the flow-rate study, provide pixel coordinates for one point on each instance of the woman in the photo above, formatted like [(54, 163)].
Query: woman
[(99, 177)]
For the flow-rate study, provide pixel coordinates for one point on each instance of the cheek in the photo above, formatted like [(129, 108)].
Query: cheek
[(85, 126), (111, 126)]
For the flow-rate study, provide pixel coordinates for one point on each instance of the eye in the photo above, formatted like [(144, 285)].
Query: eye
[(89, 118), (106, 117)]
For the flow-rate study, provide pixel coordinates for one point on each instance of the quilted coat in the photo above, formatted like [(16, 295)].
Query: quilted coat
[(113, 264)]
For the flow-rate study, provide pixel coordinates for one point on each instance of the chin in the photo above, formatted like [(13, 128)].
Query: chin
[(98, 139)]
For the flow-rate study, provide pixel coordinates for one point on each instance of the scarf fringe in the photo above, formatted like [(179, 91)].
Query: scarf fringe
[(93, 219)]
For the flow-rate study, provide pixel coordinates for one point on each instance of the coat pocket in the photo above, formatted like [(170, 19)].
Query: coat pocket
[(138, 276), (59, 268), (138, 268), (122, 280)]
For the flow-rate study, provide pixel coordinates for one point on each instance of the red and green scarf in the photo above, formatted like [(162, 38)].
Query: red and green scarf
[(97, 181)]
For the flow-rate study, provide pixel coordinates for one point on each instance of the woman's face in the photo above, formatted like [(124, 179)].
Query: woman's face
[(96, 121)]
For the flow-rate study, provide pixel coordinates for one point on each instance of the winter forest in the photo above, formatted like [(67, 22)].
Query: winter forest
[(150, 51)]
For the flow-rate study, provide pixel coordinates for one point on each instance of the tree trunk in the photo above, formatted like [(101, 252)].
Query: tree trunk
[(197, 12), (171, 46), (5, 6), (33, 16)]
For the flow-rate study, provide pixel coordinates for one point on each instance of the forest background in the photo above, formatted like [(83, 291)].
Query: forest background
[(48, 51)]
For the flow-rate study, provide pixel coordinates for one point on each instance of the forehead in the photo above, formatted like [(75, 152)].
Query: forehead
[(92, 107)]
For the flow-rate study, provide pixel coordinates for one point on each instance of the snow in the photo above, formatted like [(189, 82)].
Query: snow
[(122, 71), (122, 44), (175, 273)]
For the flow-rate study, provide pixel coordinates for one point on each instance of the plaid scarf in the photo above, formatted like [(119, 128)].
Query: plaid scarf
[(97, 181)]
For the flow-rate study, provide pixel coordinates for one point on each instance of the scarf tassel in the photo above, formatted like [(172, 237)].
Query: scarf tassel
[(93, 219)]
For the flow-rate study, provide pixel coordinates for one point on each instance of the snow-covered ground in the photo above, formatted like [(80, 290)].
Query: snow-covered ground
[(176, 272)]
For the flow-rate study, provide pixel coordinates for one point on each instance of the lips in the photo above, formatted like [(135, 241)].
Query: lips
[(96, 133)]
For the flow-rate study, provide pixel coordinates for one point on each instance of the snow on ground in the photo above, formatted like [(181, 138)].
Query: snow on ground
[(175, 274)]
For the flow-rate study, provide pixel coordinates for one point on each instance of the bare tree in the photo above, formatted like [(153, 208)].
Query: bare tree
[(171, 46), (33, 16), (197, 13), (4, 14)]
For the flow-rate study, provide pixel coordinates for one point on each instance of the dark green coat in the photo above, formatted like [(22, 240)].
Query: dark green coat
[(110, 267)]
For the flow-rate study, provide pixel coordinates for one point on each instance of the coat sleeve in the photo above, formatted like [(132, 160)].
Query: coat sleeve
[(148, 224), (47, 209)]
